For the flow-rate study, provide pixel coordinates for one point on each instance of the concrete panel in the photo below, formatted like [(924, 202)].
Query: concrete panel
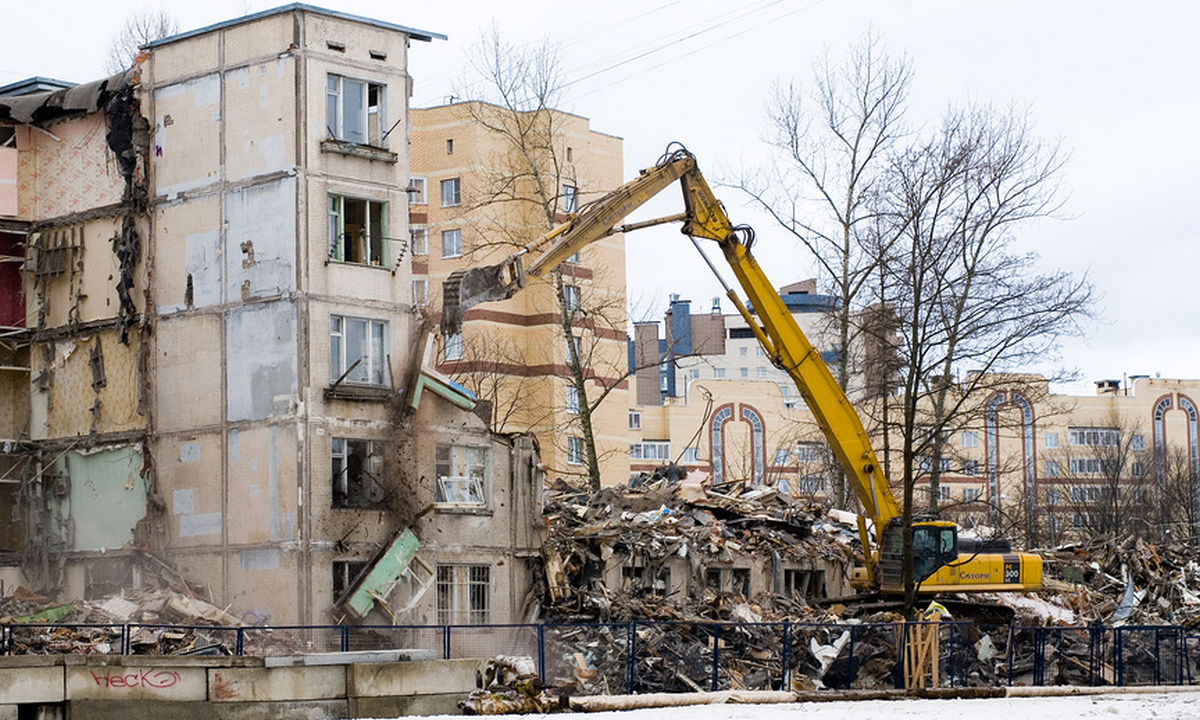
[(268, 597), (106, 496), (31, 685), (260, 132), (277, 684), (411, 705), (130, 682), (182, 57), (306, 710), (267, 36), (260, 241), (187, 136), (262, 486), (188, 367), (139, 710), (190, 487), (9, 712), (188, 245), (261, 360), (438, 676)]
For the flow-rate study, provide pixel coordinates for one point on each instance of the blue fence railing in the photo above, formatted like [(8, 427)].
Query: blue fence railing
[(651, 656)]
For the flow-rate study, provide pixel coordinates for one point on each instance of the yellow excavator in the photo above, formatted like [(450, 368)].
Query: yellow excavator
[(938, 564)]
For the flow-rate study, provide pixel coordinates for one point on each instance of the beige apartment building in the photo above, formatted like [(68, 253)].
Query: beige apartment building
[(476, 199), (217, 360), (1041, 468)]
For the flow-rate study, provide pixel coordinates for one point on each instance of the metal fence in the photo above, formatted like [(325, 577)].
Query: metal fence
[(633, 657)]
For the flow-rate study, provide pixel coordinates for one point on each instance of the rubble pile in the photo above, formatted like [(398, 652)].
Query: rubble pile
[(95, 626), (1126, 581)]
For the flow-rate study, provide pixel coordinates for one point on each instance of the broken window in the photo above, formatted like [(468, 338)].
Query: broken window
[(357, 473), (358, 350), (464, 594), (345, 573), (357, 230), (356, 111), (644, 581), (462, 474), (731, 580), (804, 584)]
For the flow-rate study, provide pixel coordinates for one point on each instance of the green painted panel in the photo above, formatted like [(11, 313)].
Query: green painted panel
[(379, 581), (105, 496)]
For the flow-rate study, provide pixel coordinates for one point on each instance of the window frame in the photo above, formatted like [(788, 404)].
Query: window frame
[(420, 291), (371, 132), (419, 239), (342, 494), (451, 191), (452, 347), (463, 594), (462, 476), (570, 198), (635, 420), (572, 400), (455, 247), (417, 190), (371, 243), (574, 450), (376, 371)]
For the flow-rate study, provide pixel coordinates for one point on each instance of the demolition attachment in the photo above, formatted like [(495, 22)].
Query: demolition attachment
[(465, 289)]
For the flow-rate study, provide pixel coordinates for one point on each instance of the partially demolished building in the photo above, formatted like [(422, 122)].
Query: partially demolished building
[(211, 350)]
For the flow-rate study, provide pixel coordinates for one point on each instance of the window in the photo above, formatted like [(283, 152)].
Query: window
[(1094, 437), (970, 467), (804, 584), (1050, 440), (1052, 468), (462, 473), (416, 191), (719, 373), (571, 298), (1053, 496), (570, 198), (1137, 469), (453, 347), (694, 374), (969, 439), (1088, 493), (449, 146), (420, 290), (635, 421), (641, 581), (572, 403), (781, 456), (761, 372), (691, 455), (808, 484), (451, 243), (744, 372), (809, 452), (451, 192), (655, 450), (1137, 442), (357, 230), (743, 351), (574, 451), (356, 111), (358, 350), (420, 240), (1091, 466), (345, 574), (572, 344), (464, 594), (356, 466), (971, 495), (731, 580)]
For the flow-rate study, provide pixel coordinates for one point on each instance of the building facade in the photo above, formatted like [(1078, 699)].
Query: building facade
[(481, 191), (220, 361)]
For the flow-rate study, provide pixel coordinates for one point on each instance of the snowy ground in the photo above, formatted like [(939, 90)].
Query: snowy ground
[(1172, 706)]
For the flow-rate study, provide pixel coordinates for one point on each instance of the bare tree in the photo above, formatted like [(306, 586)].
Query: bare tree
[(1180, 469), (1106, 481), (529, 187), (832, 138), (140, 28), (968, 305)]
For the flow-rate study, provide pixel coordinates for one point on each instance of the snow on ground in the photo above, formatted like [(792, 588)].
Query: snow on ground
[(1167, 706)]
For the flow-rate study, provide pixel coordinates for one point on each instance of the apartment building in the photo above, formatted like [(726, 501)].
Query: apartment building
[(217, 360), (477, 198)]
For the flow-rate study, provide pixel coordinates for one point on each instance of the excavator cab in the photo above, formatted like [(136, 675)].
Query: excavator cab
[(935, 545)]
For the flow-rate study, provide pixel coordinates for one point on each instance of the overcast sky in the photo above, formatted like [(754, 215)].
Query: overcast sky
[(1118, 83)]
